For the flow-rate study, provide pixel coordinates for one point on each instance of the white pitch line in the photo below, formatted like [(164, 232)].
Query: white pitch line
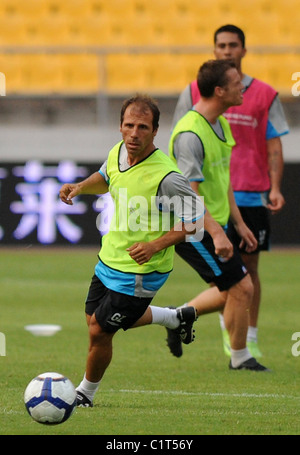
[(209, 394)]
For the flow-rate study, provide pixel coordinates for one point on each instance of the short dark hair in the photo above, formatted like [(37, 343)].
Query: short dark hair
[(231, 29), (146, 103), (212, 74)]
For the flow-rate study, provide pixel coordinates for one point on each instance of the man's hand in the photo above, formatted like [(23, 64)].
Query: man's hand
[(248, 239), (68, 191), (142, 252), (94, 184), (223, 246), (276, 203)]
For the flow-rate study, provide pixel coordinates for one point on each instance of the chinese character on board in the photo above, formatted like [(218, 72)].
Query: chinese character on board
[(40, 207)]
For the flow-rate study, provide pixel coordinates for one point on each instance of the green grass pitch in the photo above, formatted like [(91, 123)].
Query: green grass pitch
[(146, 391)]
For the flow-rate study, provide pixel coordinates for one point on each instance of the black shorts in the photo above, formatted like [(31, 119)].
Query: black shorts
[(113, 310), (258, 220), (201, 256)]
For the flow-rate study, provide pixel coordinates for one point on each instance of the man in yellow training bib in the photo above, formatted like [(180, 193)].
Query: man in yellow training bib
[(136, 256)]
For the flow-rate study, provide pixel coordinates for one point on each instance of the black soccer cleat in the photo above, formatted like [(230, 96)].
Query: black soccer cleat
[(174, 342), (83, 401), (250, 364), (187, 316), (184, 333)]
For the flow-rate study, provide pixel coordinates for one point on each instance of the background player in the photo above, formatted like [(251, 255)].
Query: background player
[(256, 164)]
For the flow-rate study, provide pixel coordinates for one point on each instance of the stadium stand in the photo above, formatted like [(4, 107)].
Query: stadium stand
[(86, 46)]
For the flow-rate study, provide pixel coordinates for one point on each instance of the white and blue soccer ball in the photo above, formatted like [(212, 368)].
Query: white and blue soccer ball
[(50, 398)]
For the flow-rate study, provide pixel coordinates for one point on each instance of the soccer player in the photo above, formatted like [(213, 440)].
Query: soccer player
[(256, 163), (201, 144), (136, 256)]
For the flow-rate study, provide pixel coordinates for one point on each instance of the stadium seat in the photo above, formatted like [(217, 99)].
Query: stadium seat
[(280, 70), (94, 32), (48, 73), (289, 25), (82, 73), (30, 8), (12, 30), (172, 72), (42, 73), (48, 32), (272, 38), (155, 74), (11, 66), (154, 8), (126, 73), (275, 69)]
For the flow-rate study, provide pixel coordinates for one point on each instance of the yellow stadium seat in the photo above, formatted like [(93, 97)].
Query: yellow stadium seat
[(42, 73), (82, 73), (80, 25), (116, 7), (50, 73), (12, 30), (31, 8), (71, 8), (280, 70), (181, 30), (11, 66), (102, 31), (142, 31), (170, 73), (125, 73), (275, 69), (30, 74), (289, 25), (47, 31), (154, 8), (10, 7), (151, 73)]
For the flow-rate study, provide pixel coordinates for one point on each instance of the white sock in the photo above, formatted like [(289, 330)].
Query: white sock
[(252, 334), (88, 388), (184, 305), (164, 316), (239, 356), (222, 323)]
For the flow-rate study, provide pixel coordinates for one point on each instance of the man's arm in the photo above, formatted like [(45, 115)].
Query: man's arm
[(175, 194), (189, 151), (223, 246), (276, 165), (240, 226), (184, 104), (94, 184), (142, 252)]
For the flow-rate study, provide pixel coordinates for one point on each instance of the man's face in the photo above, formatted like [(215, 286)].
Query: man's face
[(232, 93), (228, 46), (137, 131)]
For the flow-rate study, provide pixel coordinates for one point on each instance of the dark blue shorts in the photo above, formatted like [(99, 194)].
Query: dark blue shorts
[(113, 310), (201, 256), (258, 220)]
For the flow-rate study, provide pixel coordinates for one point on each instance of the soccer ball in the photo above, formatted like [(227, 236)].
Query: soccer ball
[(50, 398)]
